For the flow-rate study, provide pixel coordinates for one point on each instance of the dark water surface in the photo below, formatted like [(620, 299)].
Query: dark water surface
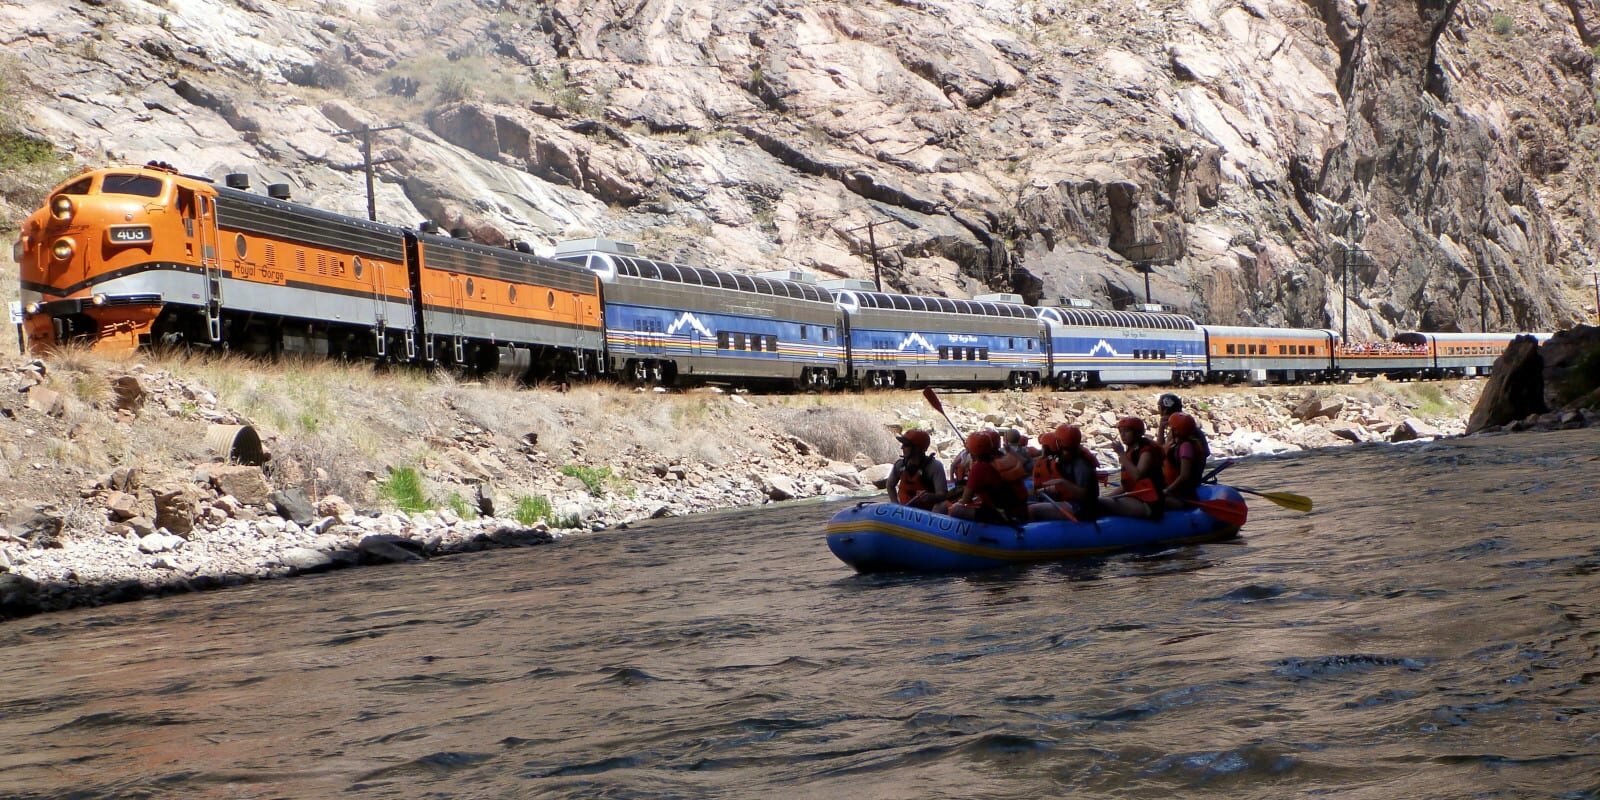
[(1430, 631)]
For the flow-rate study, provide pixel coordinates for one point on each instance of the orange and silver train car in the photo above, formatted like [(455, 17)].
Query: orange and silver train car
[(129, 256), (1268, 355)]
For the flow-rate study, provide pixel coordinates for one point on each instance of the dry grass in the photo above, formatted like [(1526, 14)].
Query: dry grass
[(841, 433)]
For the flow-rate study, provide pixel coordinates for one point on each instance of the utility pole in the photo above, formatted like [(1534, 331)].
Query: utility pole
[(365, 133), (1347, 255), (1596, 297), (872, 242), (1143, 260)]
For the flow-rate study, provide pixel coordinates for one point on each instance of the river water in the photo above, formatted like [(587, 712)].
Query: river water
[(1430, 631)]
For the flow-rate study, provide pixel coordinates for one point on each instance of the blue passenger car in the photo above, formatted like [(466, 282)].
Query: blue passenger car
[(671, 324), (1094, 347), (905, 340)]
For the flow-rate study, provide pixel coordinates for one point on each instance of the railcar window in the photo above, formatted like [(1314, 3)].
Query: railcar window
[(741, 282), (900, 302), (77, 187), (772, 344), (136, 185), (1230, 350), (983, 354), (764, 286), (827, 335), (805, 331)]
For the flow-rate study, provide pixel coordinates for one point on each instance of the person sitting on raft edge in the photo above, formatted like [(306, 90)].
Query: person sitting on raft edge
[(1065, 474), (917, 477), (1141, 467), (995, 490), (1185, 462)]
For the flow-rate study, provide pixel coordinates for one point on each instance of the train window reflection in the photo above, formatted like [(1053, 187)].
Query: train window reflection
[(137, 185)]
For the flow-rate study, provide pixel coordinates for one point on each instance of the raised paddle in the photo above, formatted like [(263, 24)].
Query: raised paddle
[(1232, 512), (933, 400)]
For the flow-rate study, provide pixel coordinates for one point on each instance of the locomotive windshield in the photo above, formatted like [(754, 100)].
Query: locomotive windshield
[(136, 185)]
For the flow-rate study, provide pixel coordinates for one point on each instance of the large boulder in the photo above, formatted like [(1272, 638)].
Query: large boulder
[(1515, 389), (1572, 368)]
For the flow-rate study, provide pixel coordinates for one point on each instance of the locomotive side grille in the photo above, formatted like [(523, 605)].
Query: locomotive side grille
[(300, 260), (465, 259), (272, 257), (322, 264), (243, 211)]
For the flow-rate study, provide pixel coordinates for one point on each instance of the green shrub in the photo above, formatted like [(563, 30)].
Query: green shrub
[(1502, 24), (460, 506), (594, 479), (531, 511), (403, 488)]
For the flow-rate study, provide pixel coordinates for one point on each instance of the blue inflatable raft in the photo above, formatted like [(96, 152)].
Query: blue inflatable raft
[(884, 537)]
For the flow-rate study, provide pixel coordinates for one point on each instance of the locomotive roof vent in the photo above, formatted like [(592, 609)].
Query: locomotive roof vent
[(791, 275), (278, 191), (1000, 297), (1154, 308), (460, 233), (237, 180), (427, 226), (522, 247), (595, 245), (1077, 302)]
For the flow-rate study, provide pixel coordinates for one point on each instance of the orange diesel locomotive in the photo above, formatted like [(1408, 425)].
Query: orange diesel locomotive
[(129, 256)]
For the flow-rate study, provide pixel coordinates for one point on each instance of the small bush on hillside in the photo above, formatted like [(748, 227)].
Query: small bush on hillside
[(460, 506), (532, 510), (594, 479), (403, 488), (1502, 24), (840, 433)]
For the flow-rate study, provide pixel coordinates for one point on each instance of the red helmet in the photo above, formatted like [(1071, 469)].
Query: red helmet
[(1047, 441), (1131, 424), (1182, 425), (919, 440), (1069, 437), (980, 443)]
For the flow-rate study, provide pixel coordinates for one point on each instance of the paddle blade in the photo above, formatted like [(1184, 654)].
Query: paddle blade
[(933, 399), (1228, 512), (1289, 500)]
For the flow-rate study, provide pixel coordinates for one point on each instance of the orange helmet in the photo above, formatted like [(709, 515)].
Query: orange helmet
[(980, 443), (1069, 437), (1131, 424), (919, 440), (1182, 425), (1047, 441)]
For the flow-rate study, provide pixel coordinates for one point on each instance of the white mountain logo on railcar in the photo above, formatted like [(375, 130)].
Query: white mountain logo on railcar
[(687, 318), (916, 339), (1103, 348)]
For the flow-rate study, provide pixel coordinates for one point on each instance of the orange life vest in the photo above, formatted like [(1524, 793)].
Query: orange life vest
[(912, 483), (1129, 480), (1170, 467)]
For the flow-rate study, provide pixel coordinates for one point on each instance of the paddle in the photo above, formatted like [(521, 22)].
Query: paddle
[(1142, 490), (1289, 500), (933, 400), (1232, 512)]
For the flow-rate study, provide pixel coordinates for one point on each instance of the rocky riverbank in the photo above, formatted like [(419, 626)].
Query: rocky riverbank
[(115, 485)]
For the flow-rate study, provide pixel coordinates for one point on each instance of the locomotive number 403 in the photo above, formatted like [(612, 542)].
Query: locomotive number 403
[(129, 234)]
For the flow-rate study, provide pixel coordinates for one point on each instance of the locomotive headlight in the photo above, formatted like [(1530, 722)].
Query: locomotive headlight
[(33, 308), (61, 208), (62, 250), (98, 299)]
